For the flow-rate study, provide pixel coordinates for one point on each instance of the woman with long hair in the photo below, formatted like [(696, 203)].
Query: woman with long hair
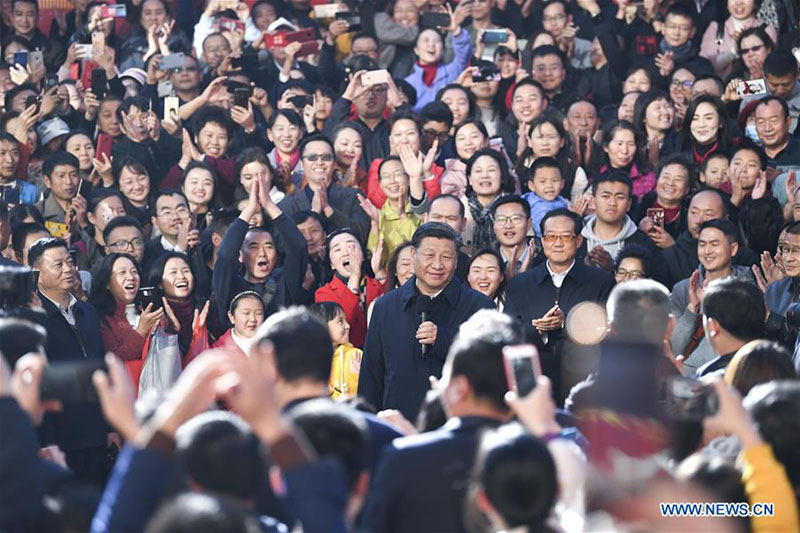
[(705, 128), (485, 274), (654, 115)]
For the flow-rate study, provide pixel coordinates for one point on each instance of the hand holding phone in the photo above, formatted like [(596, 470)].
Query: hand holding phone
[(656, 214), (150, 295), (689, 399), (522, 368), (374, 77), (70, 382)]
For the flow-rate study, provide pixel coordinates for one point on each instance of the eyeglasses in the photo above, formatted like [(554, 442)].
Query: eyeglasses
[(629, 274), (327, 158), (541, 69), (178, 70), (679, 27), (180, 210), (785, 249), (122, 244), (755, 48), (436, 134), (377, 89), (554, 18), (681, 83), (398, 175), (516, 220), (551, 238)]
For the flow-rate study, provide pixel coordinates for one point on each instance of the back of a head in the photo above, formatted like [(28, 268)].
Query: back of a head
[(757, 362), (737, 305), (303, 347), (518, 475), (336, 432), (715, 474), (639, 311), (774, 407), (477, 354), (18, 337), (221, 454), (190, 513)]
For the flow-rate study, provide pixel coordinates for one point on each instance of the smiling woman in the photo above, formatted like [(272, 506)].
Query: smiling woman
[(172, 274)]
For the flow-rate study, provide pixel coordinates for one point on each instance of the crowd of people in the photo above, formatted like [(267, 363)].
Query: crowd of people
[(288, 249)]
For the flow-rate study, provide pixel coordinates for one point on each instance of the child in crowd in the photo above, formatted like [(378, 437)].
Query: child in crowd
[(346, 357), (545, 185), (714, 172)]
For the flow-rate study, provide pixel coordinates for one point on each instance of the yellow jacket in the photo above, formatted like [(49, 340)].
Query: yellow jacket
[(344, 371), (395, 230), (765, 481)]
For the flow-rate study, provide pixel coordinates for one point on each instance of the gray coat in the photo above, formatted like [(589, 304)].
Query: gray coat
[(686, 322)]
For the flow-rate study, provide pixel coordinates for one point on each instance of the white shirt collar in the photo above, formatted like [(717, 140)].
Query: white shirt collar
[(241, 342), (168, 246), (558, 278), (67, 312)]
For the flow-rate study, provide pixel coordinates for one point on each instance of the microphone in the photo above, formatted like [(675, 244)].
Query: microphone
[(424, 308)]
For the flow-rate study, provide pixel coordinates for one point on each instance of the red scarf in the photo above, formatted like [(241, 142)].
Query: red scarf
[(428, 73), (293, 159), (701, 157)]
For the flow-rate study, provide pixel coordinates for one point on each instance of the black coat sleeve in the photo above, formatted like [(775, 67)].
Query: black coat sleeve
[(295, 261), (227, 264)]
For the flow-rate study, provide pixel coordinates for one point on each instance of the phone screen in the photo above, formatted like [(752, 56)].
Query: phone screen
[(71, 382), (522, 367)]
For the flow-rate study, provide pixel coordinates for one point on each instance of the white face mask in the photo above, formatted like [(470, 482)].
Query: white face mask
[(751, 133)]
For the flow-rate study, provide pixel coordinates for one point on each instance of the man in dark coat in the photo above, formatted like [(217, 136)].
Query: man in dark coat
[(541, 298), (72, 335), (403, 348), (337, 205)]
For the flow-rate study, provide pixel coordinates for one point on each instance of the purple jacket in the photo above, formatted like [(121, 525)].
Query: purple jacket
[(445, 74)]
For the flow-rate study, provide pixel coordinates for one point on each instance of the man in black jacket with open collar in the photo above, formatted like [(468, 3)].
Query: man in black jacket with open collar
[(72, 335), (395, 370), (542, 297)]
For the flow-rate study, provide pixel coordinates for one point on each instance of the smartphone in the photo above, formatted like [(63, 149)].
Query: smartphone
[(374, 77), (275, 40), (308, 48), (21, 59), (113, 11), (689, 399), (245, 61), (300, 101), (71, 382), (227, 24), (751, 87), (656, 214), (487, 73), (150, 295), (434, 20), (10, 195), (241, 97), (98, 41), (326, 11), (36, 59), (353, 20), (75, 71), (172, 61), (301, 36), (50, 81), (35, 100), (495, 36), (104, 142), (85, 189), (522, 367), (171, 106), (83, 51), (99, 83)]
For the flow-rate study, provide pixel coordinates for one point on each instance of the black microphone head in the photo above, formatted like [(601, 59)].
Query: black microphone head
[(424, 304)]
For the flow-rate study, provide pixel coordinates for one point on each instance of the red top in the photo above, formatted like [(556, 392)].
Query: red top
[(376, 196), (356, 315), (120, 337)]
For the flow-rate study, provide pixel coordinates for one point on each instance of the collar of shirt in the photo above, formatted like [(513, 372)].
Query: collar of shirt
[(52, 209), (67, 312), (410, 292), (169, 247), (522, 257), (558, 278), (241, 342)]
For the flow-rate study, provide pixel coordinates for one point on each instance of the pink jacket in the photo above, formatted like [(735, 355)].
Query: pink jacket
[(723, 54)]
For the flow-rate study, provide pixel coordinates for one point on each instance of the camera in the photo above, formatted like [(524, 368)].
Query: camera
[(17, 284)]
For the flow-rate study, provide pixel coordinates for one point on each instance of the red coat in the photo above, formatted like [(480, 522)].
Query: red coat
[(376, 196), (336, 291), (226, 341), (120, 337)]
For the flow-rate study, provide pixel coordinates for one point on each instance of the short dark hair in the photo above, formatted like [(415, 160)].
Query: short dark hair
[(125, 221), (713, 77), (760, 361), (549, 3), (511, 199), (679, 158), (316, 137), (792, 228), (768, 99), (477, 354), (725, 226), (544, 162), (633, 250), (211, 114), (165, 192), (290, 115), (18, 337), (639, 310), (737, 305), (437, 111), (386, 160), (461, 209), (155, 275), (336, 432), (191, 511), (774, 407), (42, 245), (98, 195), (397, 117), (303, 347), (326, 311), (57, 159), (532, 83), (549, 50), (222, 219), (302, 216), (221, 454), (683, 9), (436, 230), (131, 163), (577, 221), (780, 63), (751, 147), (142, 103), (20, 232), (613, 175)]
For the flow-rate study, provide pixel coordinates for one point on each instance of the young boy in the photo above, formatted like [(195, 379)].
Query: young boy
[(714, 173), (545, 186)]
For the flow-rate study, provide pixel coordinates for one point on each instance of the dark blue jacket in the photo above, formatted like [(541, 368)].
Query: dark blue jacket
[(422, 480), (394, 374), (77, 426)]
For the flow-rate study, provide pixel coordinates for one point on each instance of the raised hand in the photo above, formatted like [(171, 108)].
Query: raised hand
[(149, 319), (760, 188), (200, 317), (369, 208), (665, 63)]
